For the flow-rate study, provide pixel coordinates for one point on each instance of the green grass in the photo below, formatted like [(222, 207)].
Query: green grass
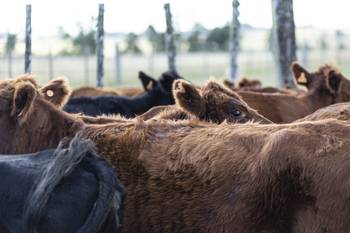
[(195, 67)]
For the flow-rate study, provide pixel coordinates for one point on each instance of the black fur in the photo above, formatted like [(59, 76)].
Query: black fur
[(62, 190), (160, 94)]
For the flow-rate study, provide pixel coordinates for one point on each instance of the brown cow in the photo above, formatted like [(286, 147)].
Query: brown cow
[(255, 86), (243, 82), (212, 103), (198, 177), (218, 103), (99, 91), (325, 87), (339, 111), (147, 82)]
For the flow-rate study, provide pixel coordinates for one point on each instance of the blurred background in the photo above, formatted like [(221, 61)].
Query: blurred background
[(64, 38)]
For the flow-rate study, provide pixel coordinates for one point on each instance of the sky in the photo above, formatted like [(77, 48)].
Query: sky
[(136, 15)]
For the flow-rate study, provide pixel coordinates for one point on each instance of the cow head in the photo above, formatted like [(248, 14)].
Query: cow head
[(26, 118), (214, 102), (148, 83), (327, 83), (166, 81), (161, 89), (244, 82), (57, 91)]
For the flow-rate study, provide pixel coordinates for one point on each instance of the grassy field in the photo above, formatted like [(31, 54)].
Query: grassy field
[(194, 67)]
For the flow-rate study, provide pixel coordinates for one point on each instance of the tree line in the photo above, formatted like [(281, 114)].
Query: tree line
[(197, 40)]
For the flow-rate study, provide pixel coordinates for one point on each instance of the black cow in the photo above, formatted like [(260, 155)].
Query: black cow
[(157, 93), (63, 190)]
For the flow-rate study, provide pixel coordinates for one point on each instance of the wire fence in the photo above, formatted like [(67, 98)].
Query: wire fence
[(196, 67)]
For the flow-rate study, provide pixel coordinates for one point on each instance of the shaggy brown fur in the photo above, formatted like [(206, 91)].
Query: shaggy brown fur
[(104, 119), (339, 111), (325, 87), (212, 103), (198, 177), (98, 91), (57, 91)]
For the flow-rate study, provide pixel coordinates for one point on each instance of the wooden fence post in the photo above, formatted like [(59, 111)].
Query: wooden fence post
[(170, 38), (100, 45), (234, 48), (285, 42), (28, 41)]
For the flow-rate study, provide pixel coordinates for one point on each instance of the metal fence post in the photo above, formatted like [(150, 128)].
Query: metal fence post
[(234, 48), (28, 41), (100, 45), (170, 40)]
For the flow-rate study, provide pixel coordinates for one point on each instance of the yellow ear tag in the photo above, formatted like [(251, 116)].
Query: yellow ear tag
[(149, 86), (302, 79), (49, 93)]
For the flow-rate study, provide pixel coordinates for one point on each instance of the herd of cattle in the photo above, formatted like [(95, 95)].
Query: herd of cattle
[(176, 157)]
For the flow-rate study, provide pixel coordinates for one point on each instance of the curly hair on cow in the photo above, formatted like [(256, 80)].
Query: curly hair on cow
[(193, 176), (212, 102)]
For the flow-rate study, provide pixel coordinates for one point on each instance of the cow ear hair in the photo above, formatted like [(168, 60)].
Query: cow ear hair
[(301, 75), (188, 98), (333, 81), (57, 91), (23, 100)]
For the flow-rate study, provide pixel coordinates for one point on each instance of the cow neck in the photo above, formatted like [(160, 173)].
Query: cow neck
[(119, 144), (44, 131), (315, 100), (144, 102)]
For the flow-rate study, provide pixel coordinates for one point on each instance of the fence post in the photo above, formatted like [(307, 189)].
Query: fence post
[(234, 40), (170, 40), (50, 59), (28, 41), (285, 43), (117, 65), (99, 47)]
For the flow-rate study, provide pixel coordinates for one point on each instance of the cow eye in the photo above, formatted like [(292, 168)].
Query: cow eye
[(236, 112)]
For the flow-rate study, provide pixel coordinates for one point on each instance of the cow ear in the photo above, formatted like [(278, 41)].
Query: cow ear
[(57, 91), (333, 81), (23, 100), (301, 75), (188, 98), (148, 83)]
